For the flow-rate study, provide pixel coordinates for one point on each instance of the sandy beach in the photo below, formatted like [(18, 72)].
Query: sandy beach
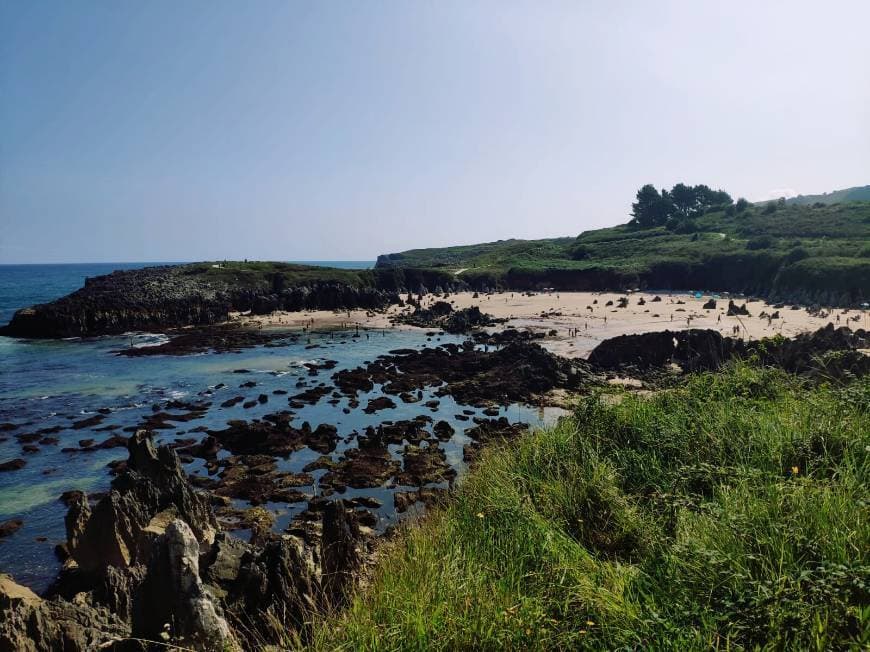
[(582, 319)]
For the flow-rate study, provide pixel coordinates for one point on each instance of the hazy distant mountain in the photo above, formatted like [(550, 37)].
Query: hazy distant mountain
[(858, 193)]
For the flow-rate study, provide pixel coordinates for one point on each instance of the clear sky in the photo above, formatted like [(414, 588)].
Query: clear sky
[(340, 130)]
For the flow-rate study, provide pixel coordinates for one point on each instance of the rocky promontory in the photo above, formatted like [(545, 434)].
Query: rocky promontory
[(158, 298)]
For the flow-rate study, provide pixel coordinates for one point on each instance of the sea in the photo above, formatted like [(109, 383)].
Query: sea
[(53, 384)]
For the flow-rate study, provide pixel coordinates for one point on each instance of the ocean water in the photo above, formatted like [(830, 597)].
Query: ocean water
[(52, 384)]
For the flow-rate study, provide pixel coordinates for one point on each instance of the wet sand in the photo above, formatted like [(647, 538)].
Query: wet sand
[(582, 319)]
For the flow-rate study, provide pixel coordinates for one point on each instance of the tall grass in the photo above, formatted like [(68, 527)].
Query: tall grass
[(731, 513)]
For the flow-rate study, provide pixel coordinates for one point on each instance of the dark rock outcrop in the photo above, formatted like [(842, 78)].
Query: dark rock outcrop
[(828, 352), (518, 372), (693, 350), (440, 315), (121, 528), (147, 563), (172, 592), (29, 623)]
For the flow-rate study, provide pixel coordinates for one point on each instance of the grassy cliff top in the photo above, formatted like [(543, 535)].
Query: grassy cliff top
[(801, 231)]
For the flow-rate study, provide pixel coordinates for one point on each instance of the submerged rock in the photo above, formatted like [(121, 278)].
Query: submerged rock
[(10, 527)]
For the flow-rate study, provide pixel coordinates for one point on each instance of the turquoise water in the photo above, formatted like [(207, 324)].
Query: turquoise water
[(51, 384)]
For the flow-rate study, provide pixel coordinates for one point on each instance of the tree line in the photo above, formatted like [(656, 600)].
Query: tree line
[(675, 208)]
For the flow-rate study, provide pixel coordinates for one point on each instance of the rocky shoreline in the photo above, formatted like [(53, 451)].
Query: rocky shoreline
[(153, 559)]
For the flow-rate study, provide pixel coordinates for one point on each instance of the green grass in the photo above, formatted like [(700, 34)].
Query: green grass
[(730, 513), (832, 239)]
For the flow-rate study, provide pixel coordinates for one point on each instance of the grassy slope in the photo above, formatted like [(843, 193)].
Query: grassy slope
[(259, 275), (832, 236), (675, 522), (858, 193), (255, 273)]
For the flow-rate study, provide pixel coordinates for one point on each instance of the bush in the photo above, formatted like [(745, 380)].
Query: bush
[(580, 252), (796, 254), (761, 242)]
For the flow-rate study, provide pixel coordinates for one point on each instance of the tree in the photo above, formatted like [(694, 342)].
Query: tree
[(651, 208), (708, 198), (742, 205), (685, 199)]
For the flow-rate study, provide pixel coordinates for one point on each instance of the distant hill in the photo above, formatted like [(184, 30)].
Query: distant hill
[(808, 252), (858, 193)]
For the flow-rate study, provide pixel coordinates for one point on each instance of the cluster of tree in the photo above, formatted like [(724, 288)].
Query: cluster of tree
[(675, 208)]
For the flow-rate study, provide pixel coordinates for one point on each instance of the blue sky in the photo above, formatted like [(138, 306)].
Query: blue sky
[(340, 130)]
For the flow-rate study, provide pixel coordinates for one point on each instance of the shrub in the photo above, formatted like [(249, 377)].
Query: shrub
[(580, 252), (796, 254), (761, 242)]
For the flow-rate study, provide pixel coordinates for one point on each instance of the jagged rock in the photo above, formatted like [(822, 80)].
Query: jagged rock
[(696, 349), (280, 581), (29, 623), (121, 527), (338, 553), (442, 316), (222, 562), (172, 593), (734, 310), (693, 349)]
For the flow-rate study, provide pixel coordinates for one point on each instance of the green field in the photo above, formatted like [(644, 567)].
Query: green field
[(729, 513), (797, 252)]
